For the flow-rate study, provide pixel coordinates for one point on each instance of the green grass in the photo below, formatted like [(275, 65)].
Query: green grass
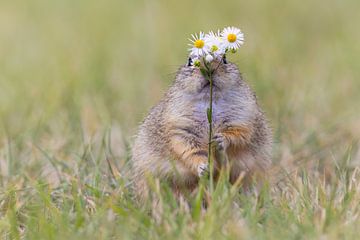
[(76, 78)]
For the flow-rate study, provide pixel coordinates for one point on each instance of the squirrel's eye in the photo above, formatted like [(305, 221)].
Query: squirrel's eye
[(224, 60), (189, 63)]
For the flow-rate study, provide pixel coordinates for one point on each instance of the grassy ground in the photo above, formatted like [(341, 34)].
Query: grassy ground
[(76, 77)]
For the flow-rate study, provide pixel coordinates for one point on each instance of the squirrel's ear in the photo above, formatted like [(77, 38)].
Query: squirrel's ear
[(189, 63)]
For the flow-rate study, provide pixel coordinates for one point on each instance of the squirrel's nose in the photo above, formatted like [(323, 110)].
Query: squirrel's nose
[(216, 63)]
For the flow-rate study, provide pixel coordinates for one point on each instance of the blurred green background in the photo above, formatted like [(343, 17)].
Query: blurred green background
[(73, 70), (77, 77)]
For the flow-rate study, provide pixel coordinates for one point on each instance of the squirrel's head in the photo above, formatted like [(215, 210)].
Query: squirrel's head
[(190, 79)]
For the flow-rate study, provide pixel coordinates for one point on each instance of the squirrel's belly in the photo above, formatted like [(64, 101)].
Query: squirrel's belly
[(218, 110)]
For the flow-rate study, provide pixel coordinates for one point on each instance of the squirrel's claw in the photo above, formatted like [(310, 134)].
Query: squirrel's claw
[(221, 142), (202, 169)]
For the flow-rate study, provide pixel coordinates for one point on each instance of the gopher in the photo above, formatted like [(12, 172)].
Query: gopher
[(172, 142)]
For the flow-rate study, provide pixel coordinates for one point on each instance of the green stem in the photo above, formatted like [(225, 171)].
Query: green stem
[(210, 159), (208, 76)]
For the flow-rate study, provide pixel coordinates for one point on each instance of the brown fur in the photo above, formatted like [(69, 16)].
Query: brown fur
[(172, 141)]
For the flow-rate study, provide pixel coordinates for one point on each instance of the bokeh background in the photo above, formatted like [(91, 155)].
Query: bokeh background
[(77, 77), (73, 73)]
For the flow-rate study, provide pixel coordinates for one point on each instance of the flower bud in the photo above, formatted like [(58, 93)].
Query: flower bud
[(197, 63), (209, 58)]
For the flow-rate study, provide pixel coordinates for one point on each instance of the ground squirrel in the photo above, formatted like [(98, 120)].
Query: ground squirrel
[(172, 141)]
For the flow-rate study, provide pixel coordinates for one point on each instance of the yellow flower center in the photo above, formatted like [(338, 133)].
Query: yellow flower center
[(214, 48), (231, 37), (199, 43)]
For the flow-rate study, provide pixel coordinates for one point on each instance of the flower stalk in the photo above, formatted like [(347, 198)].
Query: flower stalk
[(209, 111), (204, 49)]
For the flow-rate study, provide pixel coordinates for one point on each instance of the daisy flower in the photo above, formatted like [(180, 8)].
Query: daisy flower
[(198, 46), (214, 43), (232, 37)]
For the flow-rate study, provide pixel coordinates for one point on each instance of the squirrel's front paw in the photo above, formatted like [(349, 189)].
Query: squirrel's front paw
[(220, 141), (202, 169)]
